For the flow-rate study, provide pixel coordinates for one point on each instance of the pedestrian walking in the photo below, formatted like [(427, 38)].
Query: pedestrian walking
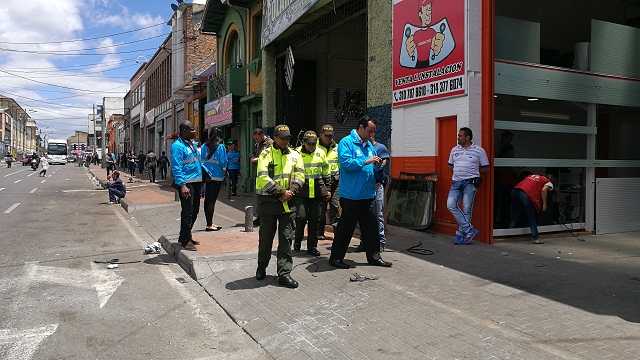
[(110, 163), (466, 161), (187, 176), (233, 168), (358, 162), (151, 163), (45, 165), (132, 161), (530, 196), (141, 158), (8, 159), (214, 158), (313, 193), (162, 162), (280, 176), (262, 142), (330, 147), (379, 176), (117, 189)]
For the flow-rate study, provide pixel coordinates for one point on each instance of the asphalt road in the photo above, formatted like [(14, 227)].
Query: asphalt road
[(58, 303)]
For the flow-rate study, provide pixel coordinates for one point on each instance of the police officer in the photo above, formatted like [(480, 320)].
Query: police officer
[(280, 172), (313, 192), (330, 147)]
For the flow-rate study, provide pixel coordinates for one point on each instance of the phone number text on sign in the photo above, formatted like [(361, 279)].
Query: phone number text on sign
[(432, 90)]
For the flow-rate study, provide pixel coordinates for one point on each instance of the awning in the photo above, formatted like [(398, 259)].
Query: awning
[(196, 83)]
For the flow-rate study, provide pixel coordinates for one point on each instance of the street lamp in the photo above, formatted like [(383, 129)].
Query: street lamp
[(141, 56)]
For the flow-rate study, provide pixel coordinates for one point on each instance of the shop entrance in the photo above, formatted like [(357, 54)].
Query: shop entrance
[(447, 132)]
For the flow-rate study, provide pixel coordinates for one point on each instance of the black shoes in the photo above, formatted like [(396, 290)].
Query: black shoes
[(313, 251), (339, 264), (261, 274), (297, 246), (360, 248), (380, 262), (287, 281)]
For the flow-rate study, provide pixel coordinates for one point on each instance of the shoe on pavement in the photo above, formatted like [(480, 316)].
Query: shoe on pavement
[(538, 241), (261, 273), (380, 262), (313, 252), (458, 239), (382, 247), (339, 264), (360, 248), (287, 281), (297, 245), (189, 246), (467, 239)]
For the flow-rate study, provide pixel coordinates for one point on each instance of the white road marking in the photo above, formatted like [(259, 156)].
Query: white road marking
[(21, 344), (1, 189), (13, 173), (12, 208), (42, 182), (103, 281), (17, 181), (34, 190), (31, 174)]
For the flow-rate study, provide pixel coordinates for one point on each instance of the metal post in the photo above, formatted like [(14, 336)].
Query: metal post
[(248, 219)]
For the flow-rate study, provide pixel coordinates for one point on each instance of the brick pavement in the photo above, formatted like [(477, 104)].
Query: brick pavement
[(571, 298)]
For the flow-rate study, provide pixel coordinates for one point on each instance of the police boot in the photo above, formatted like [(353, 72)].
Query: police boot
[(297, 245), (261, 273), (287, 281)]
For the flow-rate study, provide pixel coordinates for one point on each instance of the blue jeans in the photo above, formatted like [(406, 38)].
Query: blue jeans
[(521, 202), (464, 190), (379, 206)]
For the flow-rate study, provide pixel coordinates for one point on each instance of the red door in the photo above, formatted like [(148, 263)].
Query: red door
[(447, 128)]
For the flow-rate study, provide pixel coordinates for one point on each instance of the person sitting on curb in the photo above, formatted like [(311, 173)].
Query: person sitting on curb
[(117, 189)]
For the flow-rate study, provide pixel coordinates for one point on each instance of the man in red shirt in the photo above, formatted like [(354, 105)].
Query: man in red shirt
[(425, 39), (530, 196)]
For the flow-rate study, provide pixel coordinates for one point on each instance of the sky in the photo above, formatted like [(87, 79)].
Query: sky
[(60, 57)]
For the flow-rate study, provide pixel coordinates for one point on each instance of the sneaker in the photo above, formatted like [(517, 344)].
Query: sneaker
[(111, 202), (458, 240), (538, 241), (470, 236)]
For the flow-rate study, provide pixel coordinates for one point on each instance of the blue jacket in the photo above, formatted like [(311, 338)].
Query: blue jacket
[(234, 160), (357, 181), (217, 165), (185, 164), (118, 185)]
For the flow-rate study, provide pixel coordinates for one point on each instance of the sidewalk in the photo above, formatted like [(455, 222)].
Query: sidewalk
[(574, 297)]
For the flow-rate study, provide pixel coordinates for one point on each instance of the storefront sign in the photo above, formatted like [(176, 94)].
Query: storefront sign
[(219, 112), (428, 50), (278, 15)]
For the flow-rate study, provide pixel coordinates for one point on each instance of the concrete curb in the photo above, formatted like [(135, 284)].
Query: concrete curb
[(191, 261)]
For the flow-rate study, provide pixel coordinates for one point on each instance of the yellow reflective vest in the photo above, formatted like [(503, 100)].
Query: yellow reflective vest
[(332, 159), (316, 173), (277, 171)]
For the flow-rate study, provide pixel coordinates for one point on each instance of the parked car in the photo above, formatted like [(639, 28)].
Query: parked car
[(71, 159)]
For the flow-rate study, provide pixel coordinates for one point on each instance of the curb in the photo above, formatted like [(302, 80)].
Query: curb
[(192, 262)]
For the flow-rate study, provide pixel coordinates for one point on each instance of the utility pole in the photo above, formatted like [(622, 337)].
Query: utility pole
[(93, 119), (104, 135)]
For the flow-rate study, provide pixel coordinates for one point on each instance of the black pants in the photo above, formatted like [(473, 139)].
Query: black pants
[(353, 212), (210, 197), (308, 212), (43, 172), (190, 207), (233, 180), (163, 172), (152, 173)]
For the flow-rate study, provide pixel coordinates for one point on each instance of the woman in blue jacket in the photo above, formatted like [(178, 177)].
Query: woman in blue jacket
[(214, 158), (233, 168)]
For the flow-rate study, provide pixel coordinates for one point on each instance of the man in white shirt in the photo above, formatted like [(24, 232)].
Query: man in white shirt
[(466, 162)]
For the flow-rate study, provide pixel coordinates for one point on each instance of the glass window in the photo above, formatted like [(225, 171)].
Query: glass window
[(233, 54), (257, 49)]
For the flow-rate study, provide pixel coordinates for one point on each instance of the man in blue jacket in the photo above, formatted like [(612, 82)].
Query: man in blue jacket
[(187, 175), (117, 190), (358, 162)]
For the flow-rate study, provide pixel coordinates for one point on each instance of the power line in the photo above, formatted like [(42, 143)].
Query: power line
[(101, 47), (60, 86), (63, 53), (77, 40)]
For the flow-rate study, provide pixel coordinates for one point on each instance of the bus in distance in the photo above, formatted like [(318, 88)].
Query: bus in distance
[(57, 151)]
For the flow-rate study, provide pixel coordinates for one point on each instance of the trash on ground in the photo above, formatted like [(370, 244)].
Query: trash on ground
[(358, 277), (154, 248), (112, 266)]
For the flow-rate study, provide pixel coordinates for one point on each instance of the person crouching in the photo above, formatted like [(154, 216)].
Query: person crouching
[(117, 189)]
